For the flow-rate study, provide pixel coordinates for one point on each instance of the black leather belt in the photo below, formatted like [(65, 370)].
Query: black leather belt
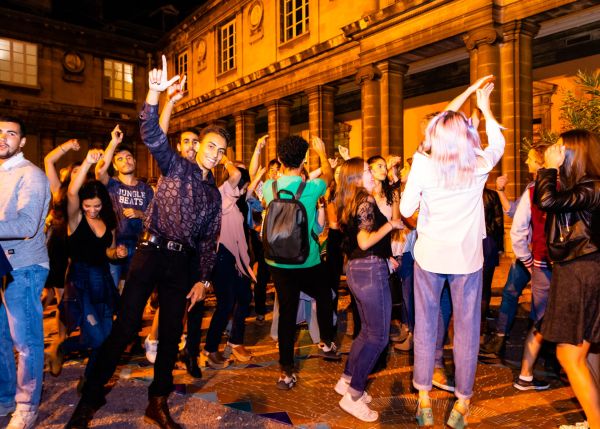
[(163, 243)]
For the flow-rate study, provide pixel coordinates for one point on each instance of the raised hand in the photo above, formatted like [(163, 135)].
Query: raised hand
[(93, 156), (117, 134), (318, 145), (479, 83), (121, 251), (158, 80), (333, 162), (501, 182), (344, 152), (261, 142), (483, 99), (393, 161), (554, 156), (72, 144), (261, 171), (175, 91)]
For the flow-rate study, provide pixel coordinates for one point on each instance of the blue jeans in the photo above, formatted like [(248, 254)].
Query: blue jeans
[(21, 327), (120, 269), (540, 291), (368, 281), (466, 301), (518, 277), (443, 322), (234, 295), (406, 273)]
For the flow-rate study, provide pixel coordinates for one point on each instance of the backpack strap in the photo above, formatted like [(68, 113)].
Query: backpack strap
[(300, 190)]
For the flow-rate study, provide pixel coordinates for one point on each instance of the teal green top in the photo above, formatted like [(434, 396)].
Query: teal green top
[(314, 190)]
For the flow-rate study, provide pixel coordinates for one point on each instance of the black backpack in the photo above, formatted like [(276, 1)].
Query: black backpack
[(286, 239)]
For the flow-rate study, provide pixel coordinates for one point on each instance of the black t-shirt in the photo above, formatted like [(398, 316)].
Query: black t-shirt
[(367, 217)]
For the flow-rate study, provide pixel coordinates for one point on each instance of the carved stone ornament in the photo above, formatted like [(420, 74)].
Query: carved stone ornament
[(255, 15), (480, 36), (73, 62), (201, 53)]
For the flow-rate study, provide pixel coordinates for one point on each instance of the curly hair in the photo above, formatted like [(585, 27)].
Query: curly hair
[(291, 151), (214, 129)]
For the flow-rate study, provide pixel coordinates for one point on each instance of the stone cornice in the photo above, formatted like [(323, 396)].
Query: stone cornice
[(513, 29), (50, 32), (366, 73)]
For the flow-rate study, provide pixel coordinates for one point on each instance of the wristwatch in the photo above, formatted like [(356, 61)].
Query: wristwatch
[(206, 284)]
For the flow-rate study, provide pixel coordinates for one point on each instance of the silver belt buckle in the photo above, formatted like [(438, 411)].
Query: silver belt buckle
[(171, 245)]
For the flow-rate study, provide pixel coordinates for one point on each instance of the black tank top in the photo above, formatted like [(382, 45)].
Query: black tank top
[(85, 247)]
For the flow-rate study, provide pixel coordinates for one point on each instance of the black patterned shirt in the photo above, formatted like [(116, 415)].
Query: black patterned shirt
[(186, 208)]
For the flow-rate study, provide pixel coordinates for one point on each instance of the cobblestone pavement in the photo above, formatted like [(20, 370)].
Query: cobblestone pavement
[(245, 395)]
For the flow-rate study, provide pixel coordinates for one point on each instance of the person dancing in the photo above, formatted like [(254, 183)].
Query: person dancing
[(568, 189), (447, 184), (368, 246)]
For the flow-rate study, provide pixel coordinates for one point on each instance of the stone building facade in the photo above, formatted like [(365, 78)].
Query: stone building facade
[(332, 68), (71, 81)]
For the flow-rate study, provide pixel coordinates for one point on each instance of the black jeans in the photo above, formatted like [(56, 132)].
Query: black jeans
[(288, 284), (233, 296), (170, 272), (262, 275)]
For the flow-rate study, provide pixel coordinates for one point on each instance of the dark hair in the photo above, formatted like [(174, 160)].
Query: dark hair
[(95, 189), (387, 190), (15, 120), (245, 177), (291, 151), (582, 157), (274, 162), (215, 130), (124, 148), (189, 130)]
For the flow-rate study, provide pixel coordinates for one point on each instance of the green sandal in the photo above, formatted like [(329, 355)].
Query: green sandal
[(457, 420), (424, 415)]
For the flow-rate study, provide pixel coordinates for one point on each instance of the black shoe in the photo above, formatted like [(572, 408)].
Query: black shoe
[(493, 345), (534, 384), (157, 413), (191, 364), (82, 416)]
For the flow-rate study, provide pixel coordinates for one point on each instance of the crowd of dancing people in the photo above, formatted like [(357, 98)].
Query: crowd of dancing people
[(418, 241)]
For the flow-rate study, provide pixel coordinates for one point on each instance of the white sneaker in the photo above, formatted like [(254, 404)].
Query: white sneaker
[(358, 409), (342, 386), (22, 419), (151, 347)]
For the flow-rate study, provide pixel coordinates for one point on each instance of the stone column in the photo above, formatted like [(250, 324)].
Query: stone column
[(320, 119), (244, 135), (482, 43), (46, 146), (517, 100), (368, 79), (392, 107), (278, 115)]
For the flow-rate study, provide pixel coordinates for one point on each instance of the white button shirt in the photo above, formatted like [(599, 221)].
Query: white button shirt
[(451, 223)]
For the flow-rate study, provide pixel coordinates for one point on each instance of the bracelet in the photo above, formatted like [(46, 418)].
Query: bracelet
[(172, 101), (61, 148), (499, 189)]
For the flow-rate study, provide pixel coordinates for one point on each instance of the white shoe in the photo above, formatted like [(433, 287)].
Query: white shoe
[(342, 386), (151, 347), (358, 409), (22, 419)]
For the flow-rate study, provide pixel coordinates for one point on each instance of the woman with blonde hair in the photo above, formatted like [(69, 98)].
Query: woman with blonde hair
[(446, 185), (568, 188), (368, 247)]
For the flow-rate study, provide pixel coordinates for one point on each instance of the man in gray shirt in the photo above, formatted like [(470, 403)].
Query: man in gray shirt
[(24, 200)]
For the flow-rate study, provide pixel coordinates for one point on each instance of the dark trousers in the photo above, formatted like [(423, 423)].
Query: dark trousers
[(288, 284), (335, 262), (490, 262), (262, 275), (233, 296), (150, 266)]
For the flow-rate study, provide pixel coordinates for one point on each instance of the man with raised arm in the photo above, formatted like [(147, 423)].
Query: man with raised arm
[(177, 249), (130, 198)]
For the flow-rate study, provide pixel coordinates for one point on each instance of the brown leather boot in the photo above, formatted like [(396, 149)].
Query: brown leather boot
[(157, 412)]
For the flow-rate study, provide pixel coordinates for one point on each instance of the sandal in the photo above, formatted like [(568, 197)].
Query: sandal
[(457, 420), (424, 415)]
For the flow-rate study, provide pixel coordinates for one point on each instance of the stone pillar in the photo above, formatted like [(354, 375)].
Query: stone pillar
[(368, 79), (278, 114), (46, 146), (392, 107), (320, 119), (482, 43), (244, 135), (517, 100)]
